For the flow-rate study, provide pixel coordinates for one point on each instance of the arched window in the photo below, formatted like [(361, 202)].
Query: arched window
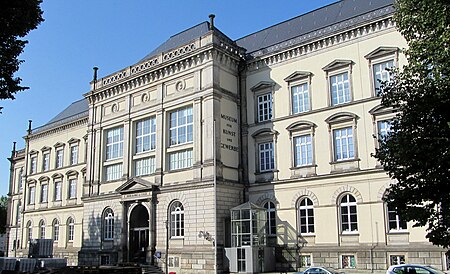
[(271, 219), (108, 224), (395, 223), (55, 230), (30, 230), (349, 216), (42, 229), (70, 229), (306, 216), (176, 220)]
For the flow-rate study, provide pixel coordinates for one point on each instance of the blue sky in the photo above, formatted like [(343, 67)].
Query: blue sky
[(112, 34)]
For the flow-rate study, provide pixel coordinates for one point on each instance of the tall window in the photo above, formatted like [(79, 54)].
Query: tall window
[(300, 98), (108, 224), (395, 223), (70, 229), (349, 218), (266, 157), (44, 193), (55, 230), (340, 89), (381, 74), (264, 107), (306, 216), (74, 154), (176, 220), (271, 218), (59, 158), (20, 178), (181, 126), (46, 161), (343, 144), (114, 143), (145, 135), (32, 196), (18, 217), (30, 230), (58, 186), (42, 229), (72, 188), (113, 172), (384, 127), (180, 159), (33, 164), (303, 150), (144, 166)]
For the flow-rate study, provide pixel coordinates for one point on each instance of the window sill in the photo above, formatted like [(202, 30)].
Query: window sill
[(306, 235), (266, 172), (356, 233), (179, 170), (334, 162), (178, 147), (113, 161), (397, 232)]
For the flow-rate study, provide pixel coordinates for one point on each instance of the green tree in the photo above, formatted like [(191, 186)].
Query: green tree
[(17, 18), (417, 151), (3, 214)]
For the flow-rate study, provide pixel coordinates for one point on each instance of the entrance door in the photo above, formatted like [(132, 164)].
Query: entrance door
[(139, 234)]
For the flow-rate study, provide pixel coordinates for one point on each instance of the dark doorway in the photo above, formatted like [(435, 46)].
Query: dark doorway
[(139, 234)]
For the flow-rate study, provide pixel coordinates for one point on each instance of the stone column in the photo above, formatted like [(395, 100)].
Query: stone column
[(126, 149), (159, 151)]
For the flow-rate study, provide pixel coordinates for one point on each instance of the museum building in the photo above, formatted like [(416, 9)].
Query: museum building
[(148, 165)]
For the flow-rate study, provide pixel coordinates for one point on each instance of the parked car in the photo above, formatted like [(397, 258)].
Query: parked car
[(320, 270), (413, 269)]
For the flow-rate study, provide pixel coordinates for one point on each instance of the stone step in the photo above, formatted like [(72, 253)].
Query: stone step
[(151, 269)]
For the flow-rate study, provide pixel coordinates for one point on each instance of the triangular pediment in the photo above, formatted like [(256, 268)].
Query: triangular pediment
[(136, 184), (338, 63), (381, 51), (73, 140), (45, 148), (297, 76), (262, 85)]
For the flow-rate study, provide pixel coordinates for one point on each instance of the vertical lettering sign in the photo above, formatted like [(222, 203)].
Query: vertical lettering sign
[(229, 140)]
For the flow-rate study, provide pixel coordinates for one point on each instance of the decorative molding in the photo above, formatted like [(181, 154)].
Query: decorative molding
[(341, 117), (304, 193), (299, 125), (380, 110), (266, 198), (265, 131), (381, 52), (346, 189), (263, 85), (298, 75), (338, 63)]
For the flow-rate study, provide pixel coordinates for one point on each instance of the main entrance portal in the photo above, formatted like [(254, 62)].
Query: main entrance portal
[(139, 234)]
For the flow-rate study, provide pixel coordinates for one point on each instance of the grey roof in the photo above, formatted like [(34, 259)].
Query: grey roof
[(248, 206), (309, 22), (75, 111), (179, 39)]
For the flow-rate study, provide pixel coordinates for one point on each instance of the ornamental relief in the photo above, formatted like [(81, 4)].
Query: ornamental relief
[(180, 85)]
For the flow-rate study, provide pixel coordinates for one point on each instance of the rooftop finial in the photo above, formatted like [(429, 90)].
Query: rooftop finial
[(95, 73), (13, 152), (211, 21)]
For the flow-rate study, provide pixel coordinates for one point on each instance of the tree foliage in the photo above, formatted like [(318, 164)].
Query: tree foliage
[(17, 18), (417, 151), (3, 213)]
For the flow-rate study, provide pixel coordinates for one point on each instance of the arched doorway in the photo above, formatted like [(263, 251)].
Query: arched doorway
[(139, 234)]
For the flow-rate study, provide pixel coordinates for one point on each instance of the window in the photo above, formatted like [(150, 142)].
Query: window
[(42, 229), (71, 229), (145, 135), (241, 261), (114, 143), (343, 144), (46, 161), (181, 126), (144, 166), (303, 150), (340, 89), (33, 164), (59, 158), (384, 127), (105, 260), (58, 186), (18, 216), (30, 230), (271, 218), (113, 172), (55, 230), (381, 74), (266, 157), (180, 159), (108, 224), (74, 154), (305, 260), (44, 193), (264, 107), (397, 259), (348, 261), (20, 178), (72, 188), (32, 195), (176, 220), (395, 223), (300, 98), (306, 216), (174, 261), (349, 218)]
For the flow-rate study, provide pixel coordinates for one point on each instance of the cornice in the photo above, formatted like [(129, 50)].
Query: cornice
[(63, 127)]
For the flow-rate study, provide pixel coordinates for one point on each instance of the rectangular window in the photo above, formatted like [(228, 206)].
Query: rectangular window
[(20, 178), (59, 158), (241, 260), (300, 98), (144, 166), (266, 157), (397, 259), (113, 172), (114, 143), (72, 188), (305, 260), (32, 195), (380, 74), (33, 164), (44, 193), (340, 89), (145, 135), (74, 155), (56, 232), (180, 159), (303, 150), (264, 107), (348, 261), (71, 232), (395, 222), (181, 126), (174, 261), (46, 162), (58, 186), (19, 209), (343, 144), (384, 127)]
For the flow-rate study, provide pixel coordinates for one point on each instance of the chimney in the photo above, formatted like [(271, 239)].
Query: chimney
[(29, 127), (95, 76), (211, 21)]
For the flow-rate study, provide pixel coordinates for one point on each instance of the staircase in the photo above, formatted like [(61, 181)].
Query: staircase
[(151, 269)]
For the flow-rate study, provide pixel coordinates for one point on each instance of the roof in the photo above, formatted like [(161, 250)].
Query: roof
[(310, 22), (75, 111), (247, 206)]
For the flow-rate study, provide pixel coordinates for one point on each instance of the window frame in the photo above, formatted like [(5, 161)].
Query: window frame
[(44, 194), (110, 147), (55, 230), (377, 56), (32, 195), (70, 229), (55, 195), (74, 155), (42, 229), (398, 221), (340, 121), (72, 187), (46, 160), (296, 79), (151, 135), (349, 256), (119, 166), (306, 207), (33, 163), (271, 217), (59, 161), (189, 161), (260, 89), (151, 166), (348, 205), (176, 220), (176, 128), (271, 151), (334, 69), (108, 224)]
